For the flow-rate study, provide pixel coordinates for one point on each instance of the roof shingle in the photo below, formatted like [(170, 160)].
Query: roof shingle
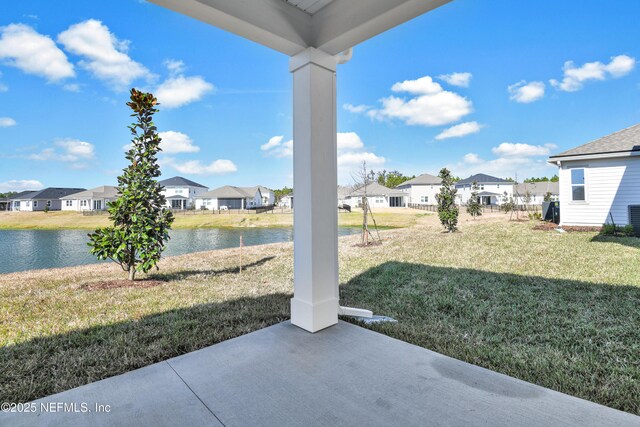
[(623, 141)]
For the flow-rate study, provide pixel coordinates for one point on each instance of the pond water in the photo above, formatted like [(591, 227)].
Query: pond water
[(22, 250)]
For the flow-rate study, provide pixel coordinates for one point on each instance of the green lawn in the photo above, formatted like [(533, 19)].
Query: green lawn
[(559, 310), (194, 219)]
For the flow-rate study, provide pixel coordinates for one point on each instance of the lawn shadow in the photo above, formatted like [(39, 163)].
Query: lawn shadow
[(630, 241), (47, 365), (576, 337), (185, 274)]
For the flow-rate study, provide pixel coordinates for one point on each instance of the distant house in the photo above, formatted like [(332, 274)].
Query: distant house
[(422, 189), (268, 196), (343, 194), (533, 193), (491, 189), (49, 198), (286, 201), (95, 199), (600, 180), (181, 193), (378, 196), (234, 198)]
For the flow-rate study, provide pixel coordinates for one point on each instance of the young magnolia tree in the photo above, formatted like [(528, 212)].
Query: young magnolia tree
[(141, 222), (473, 207), (447, 209)]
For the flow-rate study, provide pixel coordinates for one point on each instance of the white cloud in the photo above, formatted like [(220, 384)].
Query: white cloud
[(178, 91), (512, 159), (26, 49), (575, 77), (273, 142), (175, 66), (356, 109), (104, 55), (196, 167), (72, 87), (458, 131), (20, 185), (507, 149), (6, 122), (177, 142), (457, 79), (355, 159), (526, 92), (432, 106), (471, 158), (349, 141), (71, 151)]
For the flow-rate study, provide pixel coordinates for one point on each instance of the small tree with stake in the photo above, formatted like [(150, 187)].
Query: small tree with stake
[(447, 209), (473, 207), (141, 222)]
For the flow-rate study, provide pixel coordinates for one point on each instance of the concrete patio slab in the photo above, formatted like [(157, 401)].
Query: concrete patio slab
[(344, 375)]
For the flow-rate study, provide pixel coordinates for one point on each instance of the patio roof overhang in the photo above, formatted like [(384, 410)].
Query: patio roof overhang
[(295, 25), (317, 35)]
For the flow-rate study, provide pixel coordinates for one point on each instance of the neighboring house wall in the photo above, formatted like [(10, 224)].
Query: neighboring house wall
[(421, 194), (191, 193), (38, 205), (464, 191), (374, 201), (610, 187)]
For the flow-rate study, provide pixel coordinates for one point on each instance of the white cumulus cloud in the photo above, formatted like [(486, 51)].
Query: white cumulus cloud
[(6, 122), (20, 185), (272, 143), (24, 48), (432, 106), (526, 92), (457, 79), (508, 149), (104, 56), (458, 131), (357, 109), (575, 77), (72, 151), (349, 141), (196, 167), (178, 91), (177, 142), (354, 159)]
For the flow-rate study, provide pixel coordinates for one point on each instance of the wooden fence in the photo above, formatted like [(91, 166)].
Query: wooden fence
[(485, 208)]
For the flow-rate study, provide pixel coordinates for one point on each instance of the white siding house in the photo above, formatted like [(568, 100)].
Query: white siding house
[(231, 197), (181, 193), (378, 196), (536, 192), (600, 181), (47, 199), (491, 190), (96, 199), (422, 189)]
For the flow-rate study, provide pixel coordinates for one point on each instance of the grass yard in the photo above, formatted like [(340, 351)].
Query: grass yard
[(559, 310), (195, 219)]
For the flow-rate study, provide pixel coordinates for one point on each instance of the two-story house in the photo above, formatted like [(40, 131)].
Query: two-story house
[(181, 193)]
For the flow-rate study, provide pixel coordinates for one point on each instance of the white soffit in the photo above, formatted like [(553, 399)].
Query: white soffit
[(291, 26), (309, 6)]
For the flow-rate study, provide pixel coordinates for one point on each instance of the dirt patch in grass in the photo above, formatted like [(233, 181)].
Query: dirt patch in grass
[(546, 226), (117, 284)]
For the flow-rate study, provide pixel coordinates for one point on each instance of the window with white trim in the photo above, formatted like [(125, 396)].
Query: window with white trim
[(68, 203), (578, 193), (48, 203), (35, 203), (424, 199), (84, 203)]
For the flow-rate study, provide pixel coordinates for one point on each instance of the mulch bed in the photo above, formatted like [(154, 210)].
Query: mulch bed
[(546, 226), (116, 284)]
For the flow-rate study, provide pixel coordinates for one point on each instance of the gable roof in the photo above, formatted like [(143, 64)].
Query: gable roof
[(102, 192), (230, 192), (481, 178), (51, 193), (22, 194), (624, 141), (374, 189), (424, 179), (178, 181), (538, 188)]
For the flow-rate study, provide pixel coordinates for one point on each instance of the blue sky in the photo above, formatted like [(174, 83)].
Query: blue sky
[(476, 86)]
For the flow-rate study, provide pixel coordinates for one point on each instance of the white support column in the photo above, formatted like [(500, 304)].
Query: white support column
[(315, 302)]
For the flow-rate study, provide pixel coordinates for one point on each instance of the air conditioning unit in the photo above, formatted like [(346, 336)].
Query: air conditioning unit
[(634, 218)]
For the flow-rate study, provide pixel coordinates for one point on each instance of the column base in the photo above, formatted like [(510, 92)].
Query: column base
[(314, 317)]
